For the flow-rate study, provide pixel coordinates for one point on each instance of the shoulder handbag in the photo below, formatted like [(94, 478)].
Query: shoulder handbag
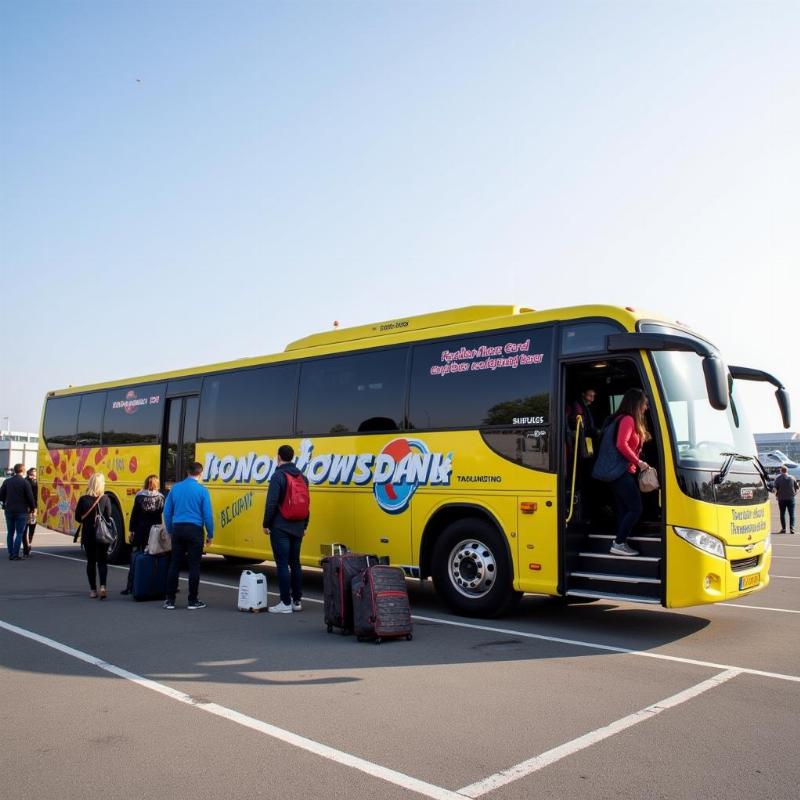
[(159, 541), (648, 480), (103, 529), (610, 464)]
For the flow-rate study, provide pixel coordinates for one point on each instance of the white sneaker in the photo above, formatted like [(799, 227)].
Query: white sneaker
[(298, 606), (623, 549), (281, 608)]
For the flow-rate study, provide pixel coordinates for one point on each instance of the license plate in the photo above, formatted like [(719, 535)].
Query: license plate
[(749, 581)]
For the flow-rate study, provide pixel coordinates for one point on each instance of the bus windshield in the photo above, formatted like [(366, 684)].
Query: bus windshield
[(703, 435)]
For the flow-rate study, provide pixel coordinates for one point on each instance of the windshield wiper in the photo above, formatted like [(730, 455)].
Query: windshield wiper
[(728, 463)]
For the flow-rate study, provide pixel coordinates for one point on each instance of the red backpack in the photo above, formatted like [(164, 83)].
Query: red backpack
[(296, 502)]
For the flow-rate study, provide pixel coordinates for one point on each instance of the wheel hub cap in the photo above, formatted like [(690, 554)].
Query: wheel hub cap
[(472, 568)]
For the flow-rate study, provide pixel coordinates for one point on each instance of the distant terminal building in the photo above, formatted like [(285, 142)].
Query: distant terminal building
[(785, 441), (17, 447)]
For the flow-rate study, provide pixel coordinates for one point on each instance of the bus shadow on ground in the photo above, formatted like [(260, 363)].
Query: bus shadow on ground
[(221, 645)]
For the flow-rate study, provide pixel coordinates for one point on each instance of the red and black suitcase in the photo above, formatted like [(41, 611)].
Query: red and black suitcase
[(337, 573), (380, 604)]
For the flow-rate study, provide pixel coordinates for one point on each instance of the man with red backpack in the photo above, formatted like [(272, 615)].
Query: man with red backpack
[(285, 522)]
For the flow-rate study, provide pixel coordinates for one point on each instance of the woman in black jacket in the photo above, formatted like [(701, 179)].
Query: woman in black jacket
[(93, 503), (34, 484), (148, 506)]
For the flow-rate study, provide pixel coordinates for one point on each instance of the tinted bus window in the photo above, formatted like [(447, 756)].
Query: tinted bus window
[(477, 381), (350, 394), (248, 404), (90, 419), (61, 421), (133, 416), (586, 337)]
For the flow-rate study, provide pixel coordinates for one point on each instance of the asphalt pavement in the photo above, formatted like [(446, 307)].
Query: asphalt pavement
[(118, 699)]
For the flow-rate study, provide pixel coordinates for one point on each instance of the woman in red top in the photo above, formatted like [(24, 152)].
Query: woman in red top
[(630, 437)]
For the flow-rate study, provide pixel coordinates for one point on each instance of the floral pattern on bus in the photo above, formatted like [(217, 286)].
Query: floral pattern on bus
[(64, 480)]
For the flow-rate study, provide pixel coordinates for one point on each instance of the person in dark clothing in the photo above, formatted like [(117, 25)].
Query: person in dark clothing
[(186, 512), (34, 484), (785, 489), (17, 499), (581, 407), (585, 442), (286, 530), (148, 506), (89, 507)]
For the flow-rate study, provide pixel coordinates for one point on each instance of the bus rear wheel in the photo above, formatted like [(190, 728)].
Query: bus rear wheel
[(471, 569), (118, 552)]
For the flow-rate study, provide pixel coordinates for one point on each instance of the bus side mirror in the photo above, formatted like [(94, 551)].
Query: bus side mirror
[(782, 396), (716, 382)]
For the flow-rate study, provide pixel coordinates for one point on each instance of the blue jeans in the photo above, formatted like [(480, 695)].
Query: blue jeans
[(187, 542), (15, 524), (784, 506), (286, 552), (628, 500)]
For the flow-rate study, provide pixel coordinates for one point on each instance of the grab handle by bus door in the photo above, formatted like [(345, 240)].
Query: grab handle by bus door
[(578, 425)]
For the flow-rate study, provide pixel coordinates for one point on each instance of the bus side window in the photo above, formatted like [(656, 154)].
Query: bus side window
[(61, 421)]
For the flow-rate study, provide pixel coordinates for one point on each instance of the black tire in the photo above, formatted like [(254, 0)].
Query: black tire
[(118, 550), (409, 637), (472, 571)]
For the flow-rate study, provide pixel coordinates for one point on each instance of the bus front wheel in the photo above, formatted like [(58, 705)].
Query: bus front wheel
[(471, 569)]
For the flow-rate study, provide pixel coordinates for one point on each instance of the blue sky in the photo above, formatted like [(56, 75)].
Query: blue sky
[(187, 182)]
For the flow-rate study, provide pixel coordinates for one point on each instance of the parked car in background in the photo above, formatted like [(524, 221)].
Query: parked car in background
[(773, 460)]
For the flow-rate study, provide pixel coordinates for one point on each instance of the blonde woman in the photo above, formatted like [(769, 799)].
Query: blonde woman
[(93, 503)]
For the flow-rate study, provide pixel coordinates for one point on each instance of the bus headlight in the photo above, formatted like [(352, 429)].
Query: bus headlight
[(702, 541)]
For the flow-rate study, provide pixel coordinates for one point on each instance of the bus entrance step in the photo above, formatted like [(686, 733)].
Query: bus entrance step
[(613, 584), (604, 576), (648, 546), (607, 564), (628, 598)]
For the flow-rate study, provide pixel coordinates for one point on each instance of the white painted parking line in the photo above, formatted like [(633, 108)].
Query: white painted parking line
[(557, 639), (608, 648), (788, 577), (311, 746), (536, 763), (786, 558), (760, 608)]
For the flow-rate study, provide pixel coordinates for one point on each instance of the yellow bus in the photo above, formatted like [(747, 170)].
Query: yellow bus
[(443, 441)]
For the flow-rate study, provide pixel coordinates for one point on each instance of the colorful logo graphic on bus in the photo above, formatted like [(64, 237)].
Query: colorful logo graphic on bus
[(394, 492), (131, 403), (401, 467)]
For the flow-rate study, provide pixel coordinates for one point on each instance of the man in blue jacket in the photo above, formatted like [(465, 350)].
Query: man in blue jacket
[(187, 510), (285, 521)]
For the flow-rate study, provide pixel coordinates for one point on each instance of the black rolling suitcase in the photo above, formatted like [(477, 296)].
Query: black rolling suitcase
[(150, 576), (380, 604), (337, 573)]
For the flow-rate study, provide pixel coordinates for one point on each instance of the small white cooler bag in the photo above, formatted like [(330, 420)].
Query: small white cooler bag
[(252, 591)]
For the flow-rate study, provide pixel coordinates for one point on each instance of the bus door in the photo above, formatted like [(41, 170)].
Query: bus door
[(179, 440), (589, 519)]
